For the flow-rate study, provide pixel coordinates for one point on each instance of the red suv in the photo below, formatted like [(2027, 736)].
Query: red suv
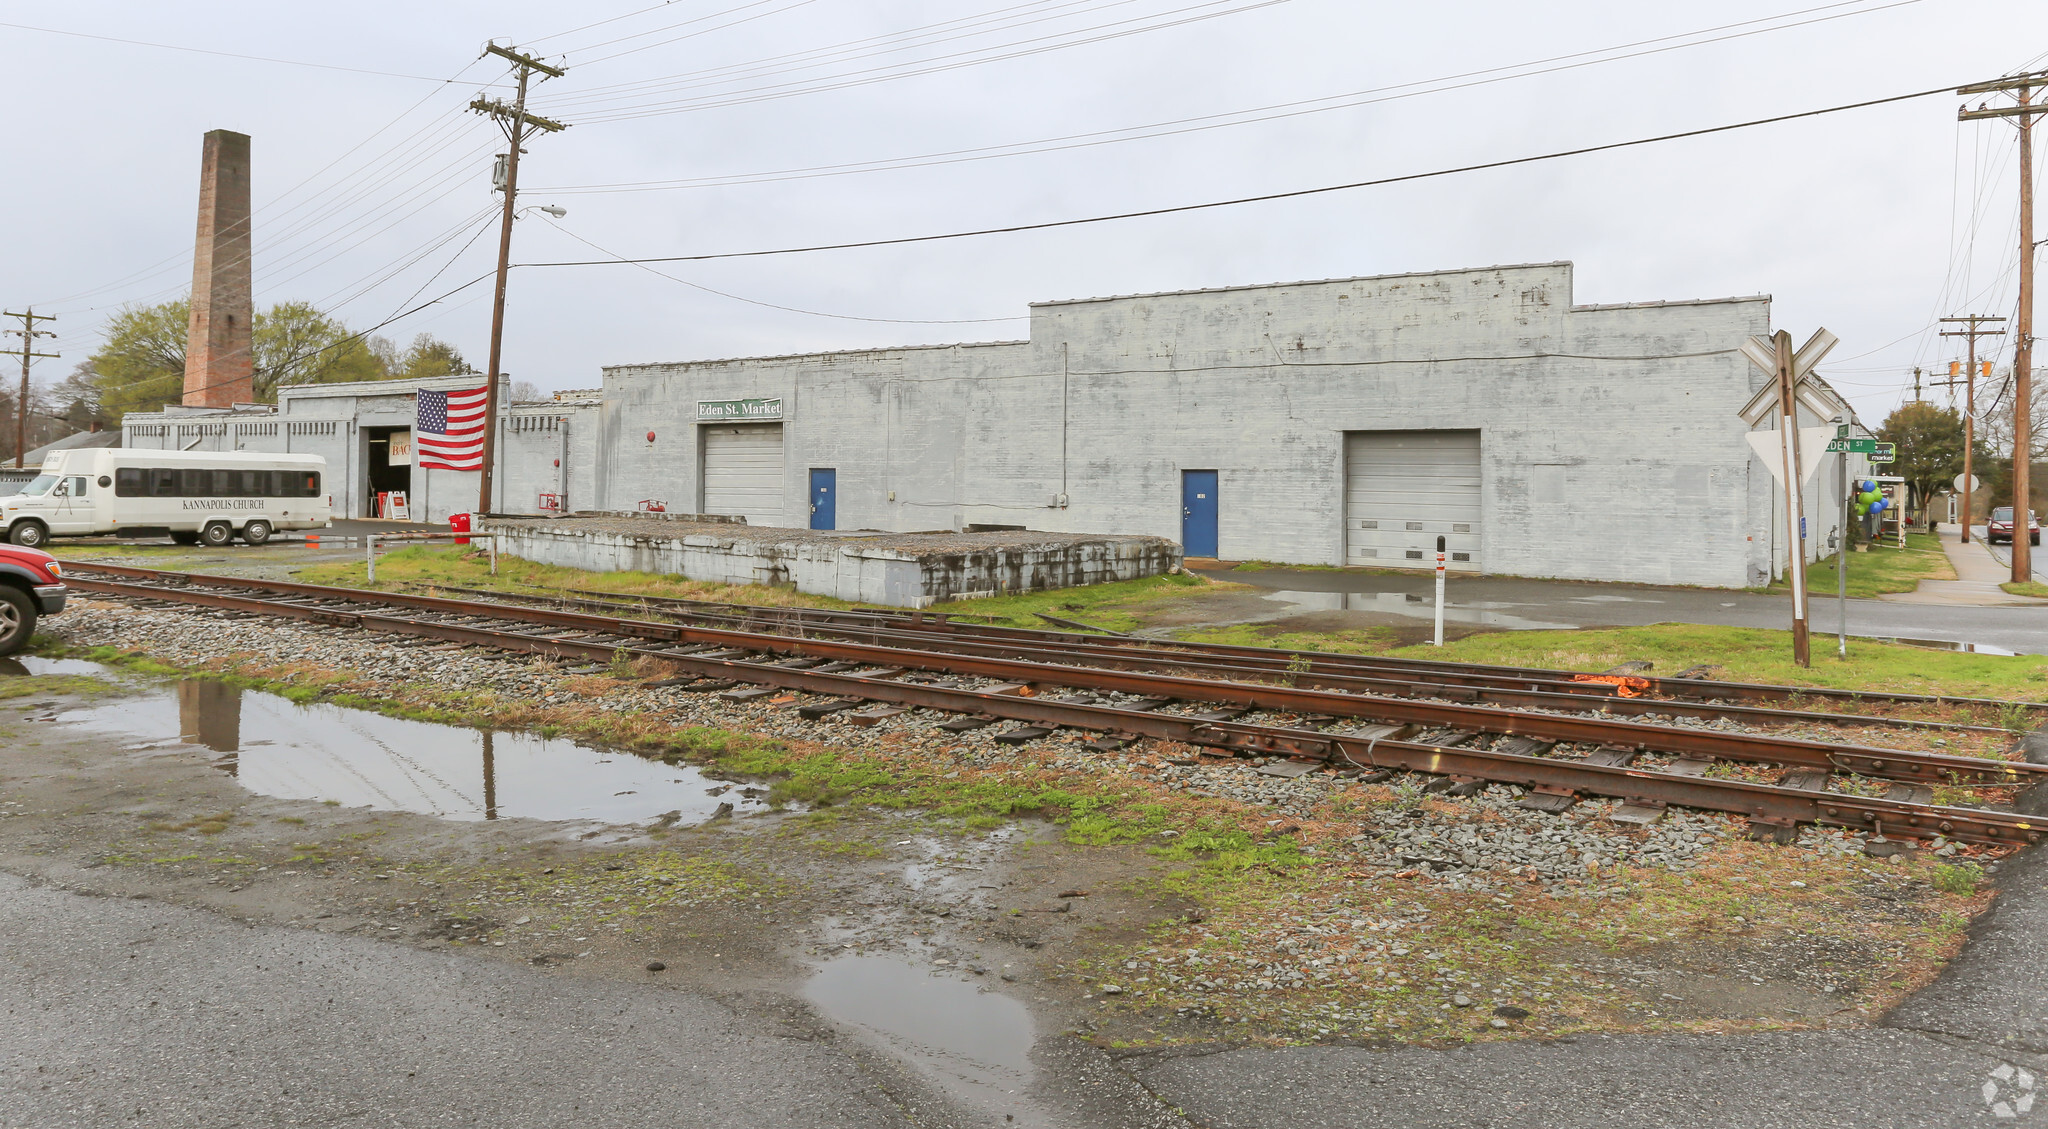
[(1999, 527), (31, 585)]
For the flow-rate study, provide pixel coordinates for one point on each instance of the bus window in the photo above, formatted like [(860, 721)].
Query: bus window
[(79, 483), (223, 483), (192, 483), (249, 483), (131, 482), (309, 484), (163, 482)]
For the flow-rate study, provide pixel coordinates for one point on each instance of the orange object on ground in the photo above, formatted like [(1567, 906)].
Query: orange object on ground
[(1627, 686)]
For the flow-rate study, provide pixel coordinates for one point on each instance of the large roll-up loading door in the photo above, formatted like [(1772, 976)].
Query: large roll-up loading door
[(1404, 489), (743, 470)]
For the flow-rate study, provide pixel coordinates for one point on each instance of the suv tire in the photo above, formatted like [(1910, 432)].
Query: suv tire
[(17, 619), (216, 534), (256, 532), (29, 534)]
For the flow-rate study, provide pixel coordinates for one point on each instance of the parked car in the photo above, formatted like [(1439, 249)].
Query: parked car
[(31, 585), (1999, 528)]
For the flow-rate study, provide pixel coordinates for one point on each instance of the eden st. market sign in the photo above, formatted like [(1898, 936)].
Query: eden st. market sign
[(729, 411)]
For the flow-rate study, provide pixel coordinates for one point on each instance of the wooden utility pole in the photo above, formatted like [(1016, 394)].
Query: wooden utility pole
[(2022, 88), (28, 334), (519, 125), (1974, 322)]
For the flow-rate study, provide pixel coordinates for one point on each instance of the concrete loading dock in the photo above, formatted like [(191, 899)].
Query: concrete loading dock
[(908, 570)]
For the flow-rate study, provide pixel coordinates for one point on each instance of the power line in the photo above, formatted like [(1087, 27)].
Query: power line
[(1270, 196), (1274, 112), (776, 306), (223, 54)]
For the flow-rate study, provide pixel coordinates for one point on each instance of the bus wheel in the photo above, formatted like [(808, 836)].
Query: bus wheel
[(28, 533), (256, 532), (186, 537), (216, 534)]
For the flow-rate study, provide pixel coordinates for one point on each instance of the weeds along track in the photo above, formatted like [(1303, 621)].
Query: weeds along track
[(1537, 729)]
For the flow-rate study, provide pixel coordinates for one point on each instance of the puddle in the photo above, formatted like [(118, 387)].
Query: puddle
[(1484, 613), (976, 1045), (23, 665), (281, 748), (1938, 644)]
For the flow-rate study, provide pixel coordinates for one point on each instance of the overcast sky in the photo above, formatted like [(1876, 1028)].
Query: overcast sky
[(1872, 222)]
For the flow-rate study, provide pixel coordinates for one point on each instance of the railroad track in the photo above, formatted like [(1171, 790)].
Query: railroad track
[(867, 669)]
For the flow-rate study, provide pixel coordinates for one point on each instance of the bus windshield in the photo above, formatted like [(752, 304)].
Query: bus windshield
[(40, 485)]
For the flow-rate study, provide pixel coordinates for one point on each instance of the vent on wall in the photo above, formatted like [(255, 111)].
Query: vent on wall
[(1461, 556), (1368, 525), (1466, 526), (1414, 554), (1415, 525), (1368, 552)]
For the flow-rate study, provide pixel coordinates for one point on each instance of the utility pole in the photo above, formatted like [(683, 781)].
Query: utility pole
[(1916, 384), (28, 334), (2022, 88), (519, 125), (1975, 323)]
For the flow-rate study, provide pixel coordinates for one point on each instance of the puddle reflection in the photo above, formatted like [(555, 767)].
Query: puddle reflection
[(976, 1044), (280, 748), (1483, 613)]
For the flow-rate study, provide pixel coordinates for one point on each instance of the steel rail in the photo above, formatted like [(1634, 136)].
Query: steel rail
[(1761, 803), (1890, 764), (1558, 690), (1283, 658)]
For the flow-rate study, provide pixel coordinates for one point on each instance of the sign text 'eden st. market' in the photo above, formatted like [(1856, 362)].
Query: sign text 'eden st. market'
[(731, 411)]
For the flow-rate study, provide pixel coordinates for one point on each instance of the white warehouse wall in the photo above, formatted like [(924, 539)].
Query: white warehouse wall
[(1611, 448)]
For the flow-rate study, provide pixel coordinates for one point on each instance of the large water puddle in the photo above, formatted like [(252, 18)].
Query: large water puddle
[(1483, 613), (276, 747), (975, 1044)]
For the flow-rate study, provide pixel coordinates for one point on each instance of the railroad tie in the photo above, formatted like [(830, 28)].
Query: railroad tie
[(1779, 832), (874, 714), (816, 710), (1023, 734), (747, 693), (967, 724)]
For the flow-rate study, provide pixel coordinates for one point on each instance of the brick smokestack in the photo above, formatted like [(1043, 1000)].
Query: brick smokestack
[(219, 367)]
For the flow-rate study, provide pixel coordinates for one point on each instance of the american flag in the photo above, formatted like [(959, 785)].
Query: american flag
[(449, 429)]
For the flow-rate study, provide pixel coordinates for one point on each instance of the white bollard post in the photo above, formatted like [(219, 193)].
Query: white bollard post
[(1439, 591), (371, 541), (494, 554)]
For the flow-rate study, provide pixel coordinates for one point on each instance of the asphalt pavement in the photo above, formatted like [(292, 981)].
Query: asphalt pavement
[(1968, 1051), (127, 1012), (1511, 603)]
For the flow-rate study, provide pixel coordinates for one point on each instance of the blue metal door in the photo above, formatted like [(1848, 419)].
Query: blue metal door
[(823, 513), (1198, 512)]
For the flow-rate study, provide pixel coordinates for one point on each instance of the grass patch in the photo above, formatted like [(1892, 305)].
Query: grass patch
[(1885, 568), (1757, 655), (470, 567), (38, 685), (2034, 588), (1363, 641)]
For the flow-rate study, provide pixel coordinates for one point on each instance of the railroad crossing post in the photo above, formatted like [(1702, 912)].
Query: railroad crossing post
[(1439, 591), (371, 540)]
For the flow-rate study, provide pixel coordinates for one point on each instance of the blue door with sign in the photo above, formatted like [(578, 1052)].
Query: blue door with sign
[(823, 514), (1198, 512)]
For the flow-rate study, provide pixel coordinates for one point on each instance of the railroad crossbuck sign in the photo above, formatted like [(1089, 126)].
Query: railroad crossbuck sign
[(1814, 442)]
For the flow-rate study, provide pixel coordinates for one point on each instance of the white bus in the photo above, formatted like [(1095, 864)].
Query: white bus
[(196, 497)]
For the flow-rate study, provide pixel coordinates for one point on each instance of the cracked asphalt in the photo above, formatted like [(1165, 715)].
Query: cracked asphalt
[(137, 1012)]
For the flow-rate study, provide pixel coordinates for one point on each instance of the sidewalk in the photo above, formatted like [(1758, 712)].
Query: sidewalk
[(1978, 576)]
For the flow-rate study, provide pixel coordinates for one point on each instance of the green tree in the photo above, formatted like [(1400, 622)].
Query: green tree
[(1930, 442), (141, 364)]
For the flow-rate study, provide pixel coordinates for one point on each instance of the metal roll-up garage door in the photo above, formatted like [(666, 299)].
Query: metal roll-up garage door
[(1404, 489), (743, 471)]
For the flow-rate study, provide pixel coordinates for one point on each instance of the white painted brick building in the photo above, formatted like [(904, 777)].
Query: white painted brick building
[(1348, 421)]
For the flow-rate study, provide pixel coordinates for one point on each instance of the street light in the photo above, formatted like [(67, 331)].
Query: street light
[(555, 210)]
